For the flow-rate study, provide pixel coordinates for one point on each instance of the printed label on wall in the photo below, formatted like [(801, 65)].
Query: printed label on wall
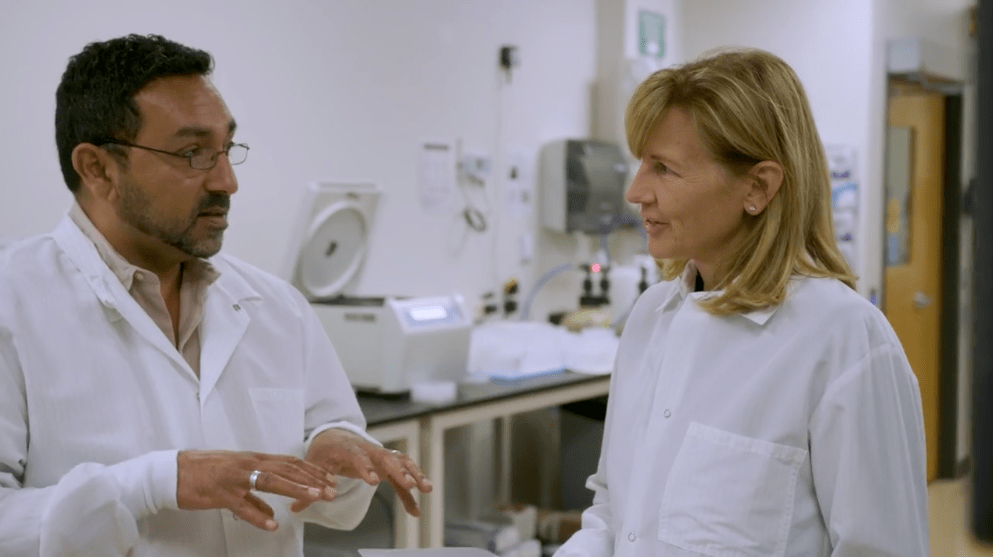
[(845, 201), (436, 176)]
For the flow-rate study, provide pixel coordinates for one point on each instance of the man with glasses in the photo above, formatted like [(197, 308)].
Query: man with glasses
[(157, 397)]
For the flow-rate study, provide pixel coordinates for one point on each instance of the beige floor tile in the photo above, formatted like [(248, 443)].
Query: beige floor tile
[(948, 507)]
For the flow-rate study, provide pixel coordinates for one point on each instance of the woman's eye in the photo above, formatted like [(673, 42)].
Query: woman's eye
[(661, 168)]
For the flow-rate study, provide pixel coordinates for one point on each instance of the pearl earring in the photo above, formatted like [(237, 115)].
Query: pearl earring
[(751, 208)]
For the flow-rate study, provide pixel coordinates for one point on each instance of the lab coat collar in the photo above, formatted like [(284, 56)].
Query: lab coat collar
[(83, 254), (224, 323), (81, 251), (760, 316), (117, 302), (231, 282), (685, 285)]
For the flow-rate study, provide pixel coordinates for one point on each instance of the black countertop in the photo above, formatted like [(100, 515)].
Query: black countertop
[(384, 410)]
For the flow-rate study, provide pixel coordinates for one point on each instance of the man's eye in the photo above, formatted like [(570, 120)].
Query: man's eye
[(190, 152)]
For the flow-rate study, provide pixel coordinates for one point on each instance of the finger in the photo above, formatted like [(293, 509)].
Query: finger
[(328, 471), (394, 464), (271, 482), (302, 504), (407, 498), (361, 466), (422, 481), (301, 471), (299, 506), (319, 476), (252, 513), (325, 483), (261, 505), (325, 473)]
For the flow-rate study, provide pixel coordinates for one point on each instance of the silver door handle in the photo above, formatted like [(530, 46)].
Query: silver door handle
[(922, 300)]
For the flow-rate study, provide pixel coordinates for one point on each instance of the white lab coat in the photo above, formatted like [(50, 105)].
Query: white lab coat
[(792, 431), (95, 402)]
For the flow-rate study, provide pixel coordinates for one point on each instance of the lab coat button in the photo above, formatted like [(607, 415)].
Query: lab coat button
[(237, 307), (632, 537), (667, 413)]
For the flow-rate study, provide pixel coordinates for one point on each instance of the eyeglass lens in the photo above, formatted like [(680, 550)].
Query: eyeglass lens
[(205, 159)]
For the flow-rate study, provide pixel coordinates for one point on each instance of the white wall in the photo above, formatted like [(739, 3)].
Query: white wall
[(828, 44), (334, 90)]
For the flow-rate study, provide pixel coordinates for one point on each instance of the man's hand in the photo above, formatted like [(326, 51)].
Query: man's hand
[(220, 480), (342, 452)]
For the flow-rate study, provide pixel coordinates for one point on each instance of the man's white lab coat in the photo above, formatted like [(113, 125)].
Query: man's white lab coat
[(794, 431), (95, 403)]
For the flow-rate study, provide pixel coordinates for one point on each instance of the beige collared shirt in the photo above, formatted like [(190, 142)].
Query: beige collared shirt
[(145, 288)]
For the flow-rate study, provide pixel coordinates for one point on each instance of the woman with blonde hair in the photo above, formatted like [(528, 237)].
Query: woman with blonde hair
[(758, 406)]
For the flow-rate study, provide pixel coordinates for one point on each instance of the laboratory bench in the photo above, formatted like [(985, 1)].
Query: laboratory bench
[(418, 429)]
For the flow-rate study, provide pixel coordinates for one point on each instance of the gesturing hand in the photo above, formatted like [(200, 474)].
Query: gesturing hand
[(220, 480), (344, 453)]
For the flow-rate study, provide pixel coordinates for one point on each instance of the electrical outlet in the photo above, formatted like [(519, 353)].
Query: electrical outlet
[(527, 247)]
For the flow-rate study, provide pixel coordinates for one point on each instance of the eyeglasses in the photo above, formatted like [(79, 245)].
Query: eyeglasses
[(201, 158)]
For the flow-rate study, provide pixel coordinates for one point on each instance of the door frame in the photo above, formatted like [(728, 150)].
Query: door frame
[(954, 207), (951, 218)]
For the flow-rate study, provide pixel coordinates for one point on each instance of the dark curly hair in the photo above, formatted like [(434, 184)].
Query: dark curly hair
[(95, 99)]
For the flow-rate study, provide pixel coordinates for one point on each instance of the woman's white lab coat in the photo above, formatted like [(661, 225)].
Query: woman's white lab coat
[(794, 431)]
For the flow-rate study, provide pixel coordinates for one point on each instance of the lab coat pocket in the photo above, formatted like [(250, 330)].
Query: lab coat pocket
[(729, 495), (280, 414)]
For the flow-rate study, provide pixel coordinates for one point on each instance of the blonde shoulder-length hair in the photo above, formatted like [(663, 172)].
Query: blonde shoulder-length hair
[(749, 106)]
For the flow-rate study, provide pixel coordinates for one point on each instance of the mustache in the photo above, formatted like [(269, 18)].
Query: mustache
[(213, 200)]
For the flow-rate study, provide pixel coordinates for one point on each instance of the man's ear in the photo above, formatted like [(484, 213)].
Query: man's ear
[(97, 169), (766, 177)]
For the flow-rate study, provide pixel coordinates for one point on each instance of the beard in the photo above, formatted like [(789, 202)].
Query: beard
[(136, 209)]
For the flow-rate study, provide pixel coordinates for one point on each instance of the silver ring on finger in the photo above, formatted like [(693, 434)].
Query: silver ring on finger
[(252, 478)]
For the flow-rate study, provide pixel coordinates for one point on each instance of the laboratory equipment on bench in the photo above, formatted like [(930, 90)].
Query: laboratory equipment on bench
[(591, 312), (608, 292), (582, 186), (385, 343)]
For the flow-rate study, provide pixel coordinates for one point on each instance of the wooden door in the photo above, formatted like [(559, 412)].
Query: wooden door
[(913, 234)]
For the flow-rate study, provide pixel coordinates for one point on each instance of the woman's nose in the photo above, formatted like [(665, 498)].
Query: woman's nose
[(637, 193)]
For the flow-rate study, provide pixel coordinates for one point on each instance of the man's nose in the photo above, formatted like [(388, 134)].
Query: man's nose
[(221, 178)]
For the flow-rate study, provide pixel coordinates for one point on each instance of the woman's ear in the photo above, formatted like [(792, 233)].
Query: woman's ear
[(766, 177), (98, 172)]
